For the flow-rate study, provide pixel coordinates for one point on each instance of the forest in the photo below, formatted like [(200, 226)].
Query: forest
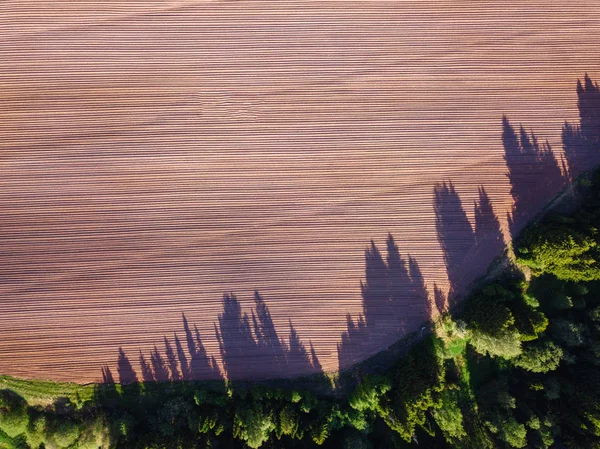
[(515, 364)]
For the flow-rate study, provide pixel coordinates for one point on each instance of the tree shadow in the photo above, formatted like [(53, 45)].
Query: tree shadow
[(269, 345), (200, 366), (172, 362), (467, 252), (487, 225), (489, 240), (588, 102), (186, 372), (159, 367), (297, 356), (171, 367), (147, 373), (353, 344), (107, 376), (314, 360), (454, 232), (261, 353), (533, 171), (106, 391), (441, 302), (250, 349), (375, 294), (236, 341), (581, 143), (127, 374), (394, 294)]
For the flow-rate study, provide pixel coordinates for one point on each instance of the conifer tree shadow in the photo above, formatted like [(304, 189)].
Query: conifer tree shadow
[(454, 232), (375, 293), (581, 144), (127, 374), (395, 300), (186, 372), (107, 376), (147, 373), (269, 345), (298, 357), (106, 391), (588, 102), (200, 365), (352, 347), (314, 360), (159, 367), (467, 252), (172, 362), (489, 240), (236, 341), (533, 171), (487, 225), (171, 367), (257, 351), (250, 349), (441, 302)]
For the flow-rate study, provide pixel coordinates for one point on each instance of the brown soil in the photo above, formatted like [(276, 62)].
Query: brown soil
[(155, 155)]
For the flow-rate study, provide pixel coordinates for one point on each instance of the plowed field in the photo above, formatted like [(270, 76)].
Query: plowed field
[(156, 155)]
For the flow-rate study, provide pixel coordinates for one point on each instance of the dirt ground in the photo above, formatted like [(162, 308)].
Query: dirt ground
[(156, 155)]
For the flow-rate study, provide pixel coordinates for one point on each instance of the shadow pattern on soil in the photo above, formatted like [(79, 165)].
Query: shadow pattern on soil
[(581, 143), (246, 341), (533, 171), (249, 346), (395, 298), (393, 293), (467, 250)]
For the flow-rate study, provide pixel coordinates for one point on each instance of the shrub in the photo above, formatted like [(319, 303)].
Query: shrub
[(539, 357), (14, 418)]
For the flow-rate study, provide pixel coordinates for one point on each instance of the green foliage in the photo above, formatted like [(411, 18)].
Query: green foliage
[(512, 432), (44, 393), (498, 412), (289, 423), (539, 357), (65, 433), (542, 436), (486, 312), (367, 395), (209, 422), (18, 442), (252, 425), (358, 420), (37, 429), (529, 321), (416, 383), (551, 294), (308, 403), (567, 332), (207, 397), (319, 431), (505, 344), (551, 388), (558, 248), (449, 416), (14, 418), (491, 323), (356, 440)]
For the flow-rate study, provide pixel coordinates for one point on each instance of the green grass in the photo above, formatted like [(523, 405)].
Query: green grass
[(40, 392), (457, 347), (5, 441)]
